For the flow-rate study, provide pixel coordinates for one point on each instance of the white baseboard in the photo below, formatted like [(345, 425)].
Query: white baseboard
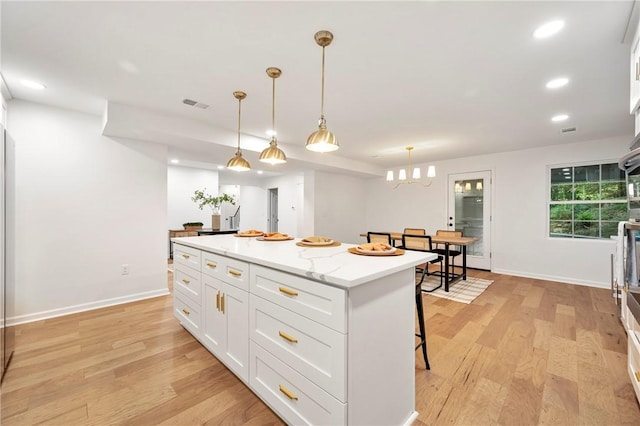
[(597, 284), (411, 419), (38, 316)]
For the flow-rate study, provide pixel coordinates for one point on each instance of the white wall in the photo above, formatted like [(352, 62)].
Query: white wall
[(181, 183), (308, 200), (339, 206), (85, 205), (253, 211), (520, 242), (290, 202)]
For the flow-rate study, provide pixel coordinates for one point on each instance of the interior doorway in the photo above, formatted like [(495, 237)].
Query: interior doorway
[(272, 214)]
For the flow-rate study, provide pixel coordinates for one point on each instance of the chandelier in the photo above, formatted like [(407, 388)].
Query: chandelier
[(415, 174)]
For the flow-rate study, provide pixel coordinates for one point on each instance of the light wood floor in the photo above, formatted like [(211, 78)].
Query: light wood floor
[(525, 352)]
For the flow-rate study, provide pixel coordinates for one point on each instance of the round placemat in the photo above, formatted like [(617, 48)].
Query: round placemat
[(333, 244), (397, 252)]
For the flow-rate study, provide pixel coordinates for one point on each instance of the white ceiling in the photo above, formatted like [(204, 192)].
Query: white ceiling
[(453, 79)]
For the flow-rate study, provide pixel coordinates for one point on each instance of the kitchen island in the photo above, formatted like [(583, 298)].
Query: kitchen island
[(321, 335)]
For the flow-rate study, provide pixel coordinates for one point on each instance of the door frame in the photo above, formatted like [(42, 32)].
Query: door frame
[(477, 262)]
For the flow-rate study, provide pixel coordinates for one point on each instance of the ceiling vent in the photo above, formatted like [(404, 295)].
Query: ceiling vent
[(568, 130), (196, 104)]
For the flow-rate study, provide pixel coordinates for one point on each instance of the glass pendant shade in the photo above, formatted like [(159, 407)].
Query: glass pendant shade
[(272, 154), (467, 186), (416, 173), (479, 185), (402, 175), (431, 171), (238, 163), (390, 176)]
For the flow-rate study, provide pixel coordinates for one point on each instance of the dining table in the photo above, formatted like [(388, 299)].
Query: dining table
[(448, 241)]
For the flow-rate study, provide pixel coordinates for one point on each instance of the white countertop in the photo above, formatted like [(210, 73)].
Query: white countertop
[(332, 265)]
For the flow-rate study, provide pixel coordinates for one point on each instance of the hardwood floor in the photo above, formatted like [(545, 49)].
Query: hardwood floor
[(525, 352)]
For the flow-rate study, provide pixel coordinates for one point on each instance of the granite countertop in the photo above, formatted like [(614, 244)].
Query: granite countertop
[(331, 265)]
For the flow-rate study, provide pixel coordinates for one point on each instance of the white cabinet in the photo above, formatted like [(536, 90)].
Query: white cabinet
[(634, 79), (634, 74), (211, 301), (294, 397), (316, 353), (633, 354), (187, 291), (226, 324)]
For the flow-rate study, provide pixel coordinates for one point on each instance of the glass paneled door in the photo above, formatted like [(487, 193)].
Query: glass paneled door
[(469, 211)]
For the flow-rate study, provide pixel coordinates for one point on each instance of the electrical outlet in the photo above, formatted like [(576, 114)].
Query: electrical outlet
[(125, 269)]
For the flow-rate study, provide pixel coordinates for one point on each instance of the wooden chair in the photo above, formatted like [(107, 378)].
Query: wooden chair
[(379, 237), (454, 251), (414, 231), (423, 243)]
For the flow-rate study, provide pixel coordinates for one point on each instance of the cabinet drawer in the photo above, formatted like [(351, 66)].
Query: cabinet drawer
[(186, 256), (314, 350), (317, 301), (231, 271), (188, 314), (186, 281), (291, 395)]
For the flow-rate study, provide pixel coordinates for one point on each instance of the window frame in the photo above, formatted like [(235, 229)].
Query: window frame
[(549, 202)]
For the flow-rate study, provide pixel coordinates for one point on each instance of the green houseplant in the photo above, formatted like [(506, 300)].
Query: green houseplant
[(189, 226), (203, 199)]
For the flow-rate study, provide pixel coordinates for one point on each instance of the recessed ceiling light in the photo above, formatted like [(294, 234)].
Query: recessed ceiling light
[(548, 29), (33, 84), (557, 82), (260, 172), (559, 117), (175, 161)]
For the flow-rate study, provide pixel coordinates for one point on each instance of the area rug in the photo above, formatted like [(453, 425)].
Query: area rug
[(463, 291)]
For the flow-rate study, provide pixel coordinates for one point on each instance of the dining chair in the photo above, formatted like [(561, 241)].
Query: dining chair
[(379, 237), (423, 243), (423, 330), (414, 231), (454, 250)]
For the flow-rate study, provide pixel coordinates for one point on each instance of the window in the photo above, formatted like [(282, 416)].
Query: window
[(587, 201)]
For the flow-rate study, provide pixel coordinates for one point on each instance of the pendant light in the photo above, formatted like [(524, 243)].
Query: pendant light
[(272, 154), (238, 163), (322, 140)]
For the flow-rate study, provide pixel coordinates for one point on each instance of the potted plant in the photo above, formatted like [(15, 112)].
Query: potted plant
[(202, 199), (192, 226)]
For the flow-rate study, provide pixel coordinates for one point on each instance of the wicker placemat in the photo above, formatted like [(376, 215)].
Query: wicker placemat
[(398, 252), (333, 244)]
